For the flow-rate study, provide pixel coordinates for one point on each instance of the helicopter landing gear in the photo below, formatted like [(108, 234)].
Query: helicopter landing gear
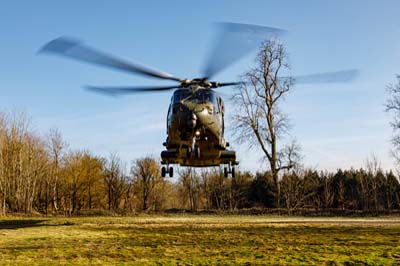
[(197, 152), (167, 170), (229, 169), (195, 149), (163, 171)]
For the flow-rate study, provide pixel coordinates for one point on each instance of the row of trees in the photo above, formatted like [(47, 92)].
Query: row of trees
[(301, 191), (39, 174)]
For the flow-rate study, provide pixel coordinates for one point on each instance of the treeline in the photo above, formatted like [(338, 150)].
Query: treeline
[(41, 175), (302, 192)]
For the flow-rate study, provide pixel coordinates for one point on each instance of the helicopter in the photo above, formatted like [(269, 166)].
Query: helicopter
[(195, 117)]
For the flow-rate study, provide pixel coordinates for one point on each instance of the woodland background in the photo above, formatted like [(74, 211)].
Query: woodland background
[(41, 175)]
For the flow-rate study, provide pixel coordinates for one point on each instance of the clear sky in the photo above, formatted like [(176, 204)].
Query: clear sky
[(338, 126)]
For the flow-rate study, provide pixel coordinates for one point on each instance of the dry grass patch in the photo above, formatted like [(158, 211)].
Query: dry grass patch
[(187, 240)]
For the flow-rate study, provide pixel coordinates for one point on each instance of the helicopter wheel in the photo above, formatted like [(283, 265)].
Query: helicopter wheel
[(171, 171), (225, 171), (163, 171), (233, 172)]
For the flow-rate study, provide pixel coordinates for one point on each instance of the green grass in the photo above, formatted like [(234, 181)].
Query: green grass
[(204, 240)]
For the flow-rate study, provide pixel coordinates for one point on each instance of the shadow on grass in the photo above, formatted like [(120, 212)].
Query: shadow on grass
[(17, 224)]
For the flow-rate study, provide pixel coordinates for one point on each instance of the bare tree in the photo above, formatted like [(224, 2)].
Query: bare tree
[(81, 173), (364, 180), (205, 187), (115, 181), (341, 193), (393, 106), (220, 189), (190, 182), (146, 174), (3, 179), (292, 192), (328, 192), (259, 119), (300, 190), (55, 147), (23, 162), (373, 169), (241, 185)]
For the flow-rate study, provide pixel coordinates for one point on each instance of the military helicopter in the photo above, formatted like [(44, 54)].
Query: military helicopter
[(195, 118)]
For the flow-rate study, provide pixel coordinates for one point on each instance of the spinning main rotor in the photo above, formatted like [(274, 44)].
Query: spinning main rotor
[(234, 41)]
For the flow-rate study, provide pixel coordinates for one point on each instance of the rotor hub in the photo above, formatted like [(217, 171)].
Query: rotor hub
[(201, 82)]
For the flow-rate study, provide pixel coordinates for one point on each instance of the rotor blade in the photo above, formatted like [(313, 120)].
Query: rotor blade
[(114, 91), (328, 77), (73, 49), (233, 42), (228, 84)]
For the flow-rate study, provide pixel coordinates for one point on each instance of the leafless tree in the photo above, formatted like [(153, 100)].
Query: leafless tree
[(393, 106), (292, 192), (373, 169), (240, 187), (81, 173), (300, 190), (23, 162), (3, 180), (220, 189), (190, 183), (259, 119), (115, 181), (328, 192), (206, 187), (55, 147), (146, 174), (364, 180), (341, 194)]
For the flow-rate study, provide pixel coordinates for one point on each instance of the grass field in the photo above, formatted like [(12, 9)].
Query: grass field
[(188, 240)]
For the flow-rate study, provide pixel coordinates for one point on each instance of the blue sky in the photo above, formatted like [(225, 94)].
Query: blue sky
[(338, 126)]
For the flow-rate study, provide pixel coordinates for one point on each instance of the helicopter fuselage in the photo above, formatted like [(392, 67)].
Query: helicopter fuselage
[(195, 129)]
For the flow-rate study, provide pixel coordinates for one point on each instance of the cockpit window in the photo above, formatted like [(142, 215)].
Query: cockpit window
[(180, 95), (211, 97), (200, 96)]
